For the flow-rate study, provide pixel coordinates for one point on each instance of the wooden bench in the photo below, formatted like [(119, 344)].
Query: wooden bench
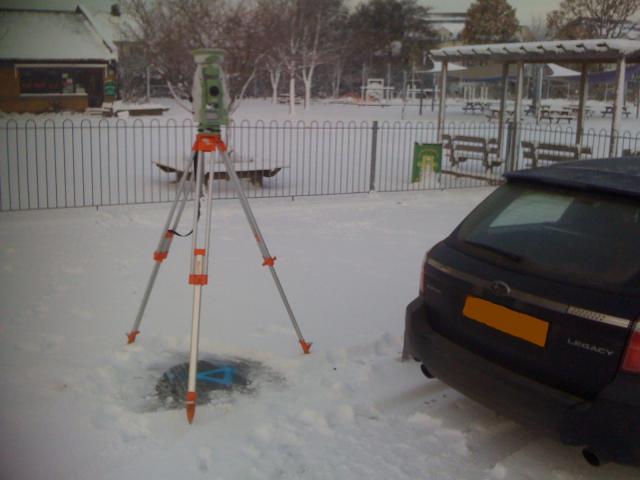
[(628, 152), (462, 148), (243, 169), (285, 99), (552, 152)]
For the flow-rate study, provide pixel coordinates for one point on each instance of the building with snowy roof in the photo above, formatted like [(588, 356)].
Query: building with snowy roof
[(54, 60), (446, 25)]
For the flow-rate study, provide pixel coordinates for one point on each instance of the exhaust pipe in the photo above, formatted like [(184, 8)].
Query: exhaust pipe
[(593, 458), (425, 371)]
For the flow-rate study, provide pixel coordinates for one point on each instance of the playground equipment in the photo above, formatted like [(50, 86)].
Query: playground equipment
[(376, 91)]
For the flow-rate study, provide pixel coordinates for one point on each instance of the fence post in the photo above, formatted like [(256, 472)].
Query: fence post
[(374, 155), (510, 146)]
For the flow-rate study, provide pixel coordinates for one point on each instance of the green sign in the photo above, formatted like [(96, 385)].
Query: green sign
[(109, 88), (426, 157)]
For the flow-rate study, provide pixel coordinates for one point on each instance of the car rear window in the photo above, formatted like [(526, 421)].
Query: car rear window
[(577, 236)]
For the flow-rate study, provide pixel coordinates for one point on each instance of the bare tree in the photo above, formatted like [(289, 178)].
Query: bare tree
[(272, 28), (278, 27), (576, 19), (289, 54), (165, 34), (316, 37)]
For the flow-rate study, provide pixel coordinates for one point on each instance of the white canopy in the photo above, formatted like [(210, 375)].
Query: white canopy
[(437, 67), (583, 52), (560, 72), (594, 50)]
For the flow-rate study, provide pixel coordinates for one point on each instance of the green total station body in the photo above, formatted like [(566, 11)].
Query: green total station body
[(209, 92)]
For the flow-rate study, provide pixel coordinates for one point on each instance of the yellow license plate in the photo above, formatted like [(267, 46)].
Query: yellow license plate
[(506, 320)]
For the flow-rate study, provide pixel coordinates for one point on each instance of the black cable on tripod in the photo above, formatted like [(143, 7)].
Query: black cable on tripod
[(195, 176)]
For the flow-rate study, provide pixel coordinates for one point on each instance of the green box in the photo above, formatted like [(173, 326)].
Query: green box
[(426, 157), (109, 88)]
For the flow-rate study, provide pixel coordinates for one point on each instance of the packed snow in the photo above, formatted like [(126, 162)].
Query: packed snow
[(78, 403)]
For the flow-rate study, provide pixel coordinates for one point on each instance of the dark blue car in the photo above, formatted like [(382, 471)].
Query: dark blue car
[(532, 305)]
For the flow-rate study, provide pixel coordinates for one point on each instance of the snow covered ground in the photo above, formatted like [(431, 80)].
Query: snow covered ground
[(77, 403)]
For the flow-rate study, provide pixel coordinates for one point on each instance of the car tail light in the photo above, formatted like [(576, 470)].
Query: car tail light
[(631, 362)]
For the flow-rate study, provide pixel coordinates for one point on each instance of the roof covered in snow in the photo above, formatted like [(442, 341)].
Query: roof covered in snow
[(598, 50), (52, 36), (115, 28)]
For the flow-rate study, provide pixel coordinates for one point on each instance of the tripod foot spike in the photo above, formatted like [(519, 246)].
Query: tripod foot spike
[(306, 347), (191, 406), (131, 336)]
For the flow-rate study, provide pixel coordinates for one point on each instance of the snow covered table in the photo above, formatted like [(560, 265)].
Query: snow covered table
[(245, 169)]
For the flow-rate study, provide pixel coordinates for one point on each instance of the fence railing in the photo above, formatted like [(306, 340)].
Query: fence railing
[(55, 164)]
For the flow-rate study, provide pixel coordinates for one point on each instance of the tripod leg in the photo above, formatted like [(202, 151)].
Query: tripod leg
[(161, 253), (198, 278), (268, 260)]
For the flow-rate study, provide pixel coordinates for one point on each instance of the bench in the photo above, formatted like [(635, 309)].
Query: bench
[(628, 152), (243, 170), (463, 147), (552, 152), (285, 99), (142, 111), (494, 114)]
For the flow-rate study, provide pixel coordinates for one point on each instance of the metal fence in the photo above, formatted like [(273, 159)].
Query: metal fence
[(54, 164)]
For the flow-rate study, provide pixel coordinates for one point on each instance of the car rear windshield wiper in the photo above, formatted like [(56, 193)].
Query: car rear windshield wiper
[(511, 256)]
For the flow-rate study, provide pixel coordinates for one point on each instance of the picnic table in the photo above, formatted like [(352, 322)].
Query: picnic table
[(244, 169), (494, 113), (474, 107), (557, 115), (575, 109), (608, 110)]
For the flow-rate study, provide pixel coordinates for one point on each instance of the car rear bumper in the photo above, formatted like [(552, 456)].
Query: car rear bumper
[(607, 425)]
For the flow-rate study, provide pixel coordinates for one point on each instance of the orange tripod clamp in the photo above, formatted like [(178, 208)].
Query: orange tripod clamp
[(209, 142)]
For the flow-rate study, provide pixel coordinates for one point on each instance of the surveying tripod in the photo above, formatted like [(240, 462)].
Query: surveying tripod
[(213, 144)]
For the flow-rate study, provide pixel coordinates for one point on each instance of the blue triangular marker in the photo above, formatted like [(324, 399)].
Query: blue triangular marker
[(224, 376)]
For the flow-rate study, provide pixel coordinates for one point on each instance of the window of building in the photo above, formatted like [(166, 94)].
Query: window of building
[(47, 81)]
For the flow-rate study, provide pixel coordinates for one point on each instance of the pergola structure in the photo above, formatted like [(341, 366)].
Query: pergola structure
[(582, 52)]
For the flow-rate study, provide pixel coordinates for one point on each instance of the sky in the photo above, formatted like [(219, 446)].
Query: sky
[(526, 10)]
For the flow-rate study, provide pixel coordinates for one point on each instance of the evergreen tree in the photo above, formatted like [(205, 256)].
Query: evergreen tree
[(490, 21)]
